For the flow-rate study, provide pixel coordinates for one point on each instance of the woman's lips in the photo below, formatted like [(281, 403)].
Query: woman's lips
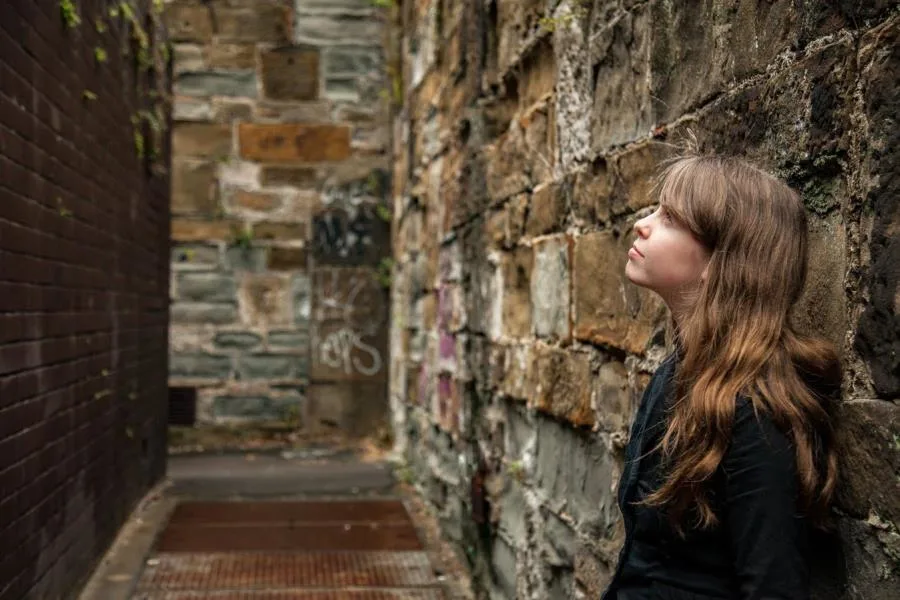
[(634, 253)]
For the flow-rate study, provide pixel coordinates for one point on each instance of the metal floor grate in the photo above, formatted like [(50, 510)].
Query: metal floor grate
[(381, 511), (261, 571), (297, 595), (293, 537), (323, 550)]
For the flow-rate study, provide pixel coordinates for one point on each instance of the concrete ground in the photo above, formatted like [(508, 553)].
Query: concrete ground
[(278, 475)]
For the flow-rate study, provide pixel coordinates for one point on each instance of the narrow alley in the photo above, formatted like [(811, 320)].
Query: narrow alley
[(273, 525), (348, 299)]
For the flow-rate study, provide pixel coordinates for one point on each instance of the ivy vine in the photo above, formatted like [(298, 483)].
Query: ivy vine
[(136, 28)]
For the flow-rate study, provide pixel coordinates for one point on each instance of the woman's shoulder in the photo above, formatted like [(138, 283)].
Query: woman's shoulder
[(754, 426)]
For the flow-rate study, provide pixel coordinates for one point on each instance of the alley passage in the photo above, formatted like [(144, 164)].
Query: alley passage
[(309, 550)]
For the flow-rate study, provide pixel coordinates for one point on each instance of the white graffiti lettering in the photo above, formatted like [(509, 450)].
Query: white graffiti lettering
[(336, 351)]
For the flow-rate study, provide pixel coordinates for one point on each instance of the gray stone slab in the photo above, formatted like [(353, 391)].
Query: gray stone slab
[(213, 83)]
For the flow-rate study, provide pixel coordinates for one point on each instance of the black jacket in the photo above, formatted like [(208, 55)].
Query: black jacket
[(759, 548)]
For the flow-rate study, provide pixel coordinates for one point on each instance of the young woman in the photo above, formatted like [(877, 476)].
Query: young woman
[(730, 461)]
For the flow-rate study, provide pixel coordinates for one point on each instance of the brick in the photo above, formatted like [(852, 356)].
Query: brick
[(291, 73), (185, 230), (214, 83), (282, 232), (609, 309), (256, 201), (287, 259), (194, 189), (189, 23), (201, 140), (261, 23), (230, 56), (561, 384), (289, 143), (292, 176)]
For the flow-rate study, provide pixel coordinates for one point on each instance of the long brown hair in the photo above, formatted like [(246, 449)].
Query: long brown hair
[(738, 338)]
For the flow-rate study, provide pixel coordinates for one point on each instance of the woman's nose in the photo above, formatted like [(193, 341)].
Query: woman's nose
[(641, 228)]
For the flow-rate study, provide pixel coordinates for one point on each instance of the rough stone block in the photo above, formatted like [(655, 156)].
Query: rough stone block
[(550, 284), (289, 339), (230, 56), (188, 57), (561, 384), (823, 305), (503, 562), (243, 340), (211, 83), (513, 514), (194, 189), (878, 337), (206, 366), (201, 140), (869, 455), (516, 268), (187, 230), (344, 31), (613, 398), (549, 204), (637, 170), (256, 201), (609, 309), (186, 23), (188, 109), (620, 56), (264, 300), (253, 259), (575, 467), (511, 367), (282, 232), (231, 110), (199, 313), (259, 23), (592, 573), (287, 259), (507, 165), (291, 73), (557, 541), (206, 287), (351, 61), (288, 143), (266, 366), (195, 256), (301, 177), (592, 193)]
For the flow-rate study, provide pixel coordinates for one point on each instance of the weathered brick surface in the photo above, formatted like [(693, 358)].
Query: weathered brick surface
[(525, 148), (84, 273)]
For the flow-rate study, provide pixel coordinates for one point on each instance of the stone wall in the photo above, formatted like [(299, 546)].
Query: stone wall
[(84, 272), (522, 152), (279, 223)]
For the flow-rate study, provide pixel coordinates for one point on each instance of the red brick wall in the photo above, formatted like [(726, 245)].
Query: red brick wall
[(84, 269)]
